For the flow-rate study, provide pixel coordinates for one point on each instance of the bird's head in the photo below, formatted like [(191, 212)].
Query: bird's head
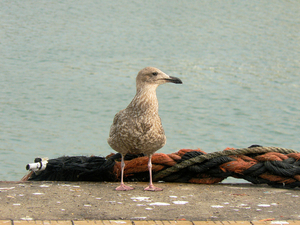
[(154, 77)]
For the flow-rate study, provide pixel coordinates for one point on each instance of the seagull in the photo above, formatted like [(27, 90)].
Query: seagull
[(137, 129)]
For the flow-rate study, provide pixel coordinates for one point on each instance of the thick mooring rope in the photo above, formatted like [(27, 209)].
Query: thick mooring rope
[(201, 158), (277, 167)]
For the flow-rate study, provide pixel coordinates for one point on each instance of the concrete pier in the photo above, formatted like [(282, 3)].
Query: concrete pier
[(81, 203)]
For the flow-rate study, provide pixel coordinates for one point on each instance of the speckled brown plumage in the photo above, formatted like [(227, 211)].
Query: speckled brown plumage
[(138, 129)]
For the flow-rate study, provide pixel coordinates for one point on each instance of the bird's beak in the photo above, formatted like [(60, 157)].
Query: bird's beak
[(174, 80)]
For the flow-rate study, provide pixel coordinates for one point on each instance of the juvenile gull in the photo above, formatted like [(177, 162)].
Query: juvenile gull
[(138, 129)]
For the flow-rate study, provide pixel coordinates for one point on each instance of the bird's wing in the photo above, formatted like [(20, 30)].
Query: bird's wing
[(116, 121)]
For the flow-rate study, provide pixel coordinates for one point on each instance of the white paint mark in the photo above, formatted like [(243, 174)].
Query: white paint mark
[(138, 218), (140, 205), (7, 188), (16, 204), (180, 202), (173, 196), (217, 206), (26, 218), (160, 203), (37, 193), (140, 199), (243, 204), (263, 205), (149, 208), (44, 185), (87, 205), (279, 222), (98, 198)]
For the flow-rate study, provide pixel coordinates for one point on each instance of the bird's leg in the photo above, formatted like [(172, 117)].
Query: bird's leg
[(151, 187), (123, 187)]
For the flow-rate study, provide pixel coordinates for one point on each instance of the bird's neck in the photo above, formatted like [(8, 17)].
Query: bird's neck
[(145, 100)]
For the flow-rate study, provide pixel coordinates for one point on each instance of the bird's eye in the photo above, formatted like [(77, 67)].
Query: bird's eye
[(154, 73)]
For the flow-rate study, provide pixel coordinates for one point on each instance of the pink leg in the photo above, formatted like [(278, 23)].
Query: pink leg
[(151, 187), (123, 187)]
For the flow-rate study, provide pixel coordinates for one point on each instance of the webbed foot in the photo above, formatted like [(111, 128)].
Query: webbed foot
[(151, 187), (124, 187)]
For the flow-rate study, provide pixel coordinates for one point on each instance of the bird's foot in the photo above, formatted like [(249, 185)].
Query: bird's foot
[(124, 187), (151, 187)]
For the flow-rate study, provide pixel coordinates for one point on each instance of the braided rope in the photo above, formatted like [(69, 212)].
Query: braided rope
[(277, 167), (198, 159)]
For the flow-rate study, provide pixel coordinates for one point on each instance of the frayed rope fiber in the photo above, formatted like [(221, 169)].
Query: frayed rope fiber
[(277, 167)]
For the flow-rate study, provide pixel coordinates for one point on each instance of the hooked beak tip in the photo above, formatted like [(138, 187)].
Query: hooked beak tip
[(174, 80)]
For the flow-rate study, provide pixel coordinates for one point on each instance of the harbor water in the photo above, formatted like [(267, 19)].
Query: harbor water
[(67, 67)]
